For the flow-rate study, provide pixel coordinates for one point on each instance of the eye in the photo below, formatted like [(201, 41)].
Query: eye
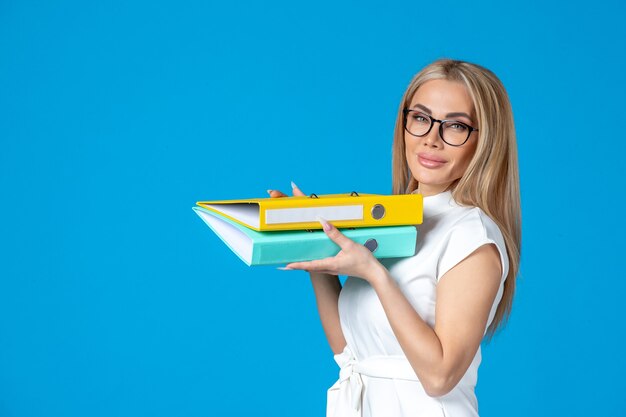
[(460, 127), (420, 117)]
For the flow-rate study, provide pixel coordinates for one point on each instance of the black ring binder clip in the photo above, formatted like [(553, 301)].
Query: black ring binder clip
[(312, 195)]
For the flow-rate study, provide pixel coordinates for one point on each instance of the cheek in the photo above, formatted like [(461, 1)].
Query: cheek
[(465, 158)]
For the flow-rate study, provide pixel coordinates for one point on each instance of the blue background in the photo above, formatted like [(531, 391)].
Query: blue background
[(115, 117)]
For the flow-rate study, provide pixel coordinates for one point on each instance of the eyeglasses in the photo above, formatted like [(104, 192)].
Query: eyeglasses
[(452, 132)]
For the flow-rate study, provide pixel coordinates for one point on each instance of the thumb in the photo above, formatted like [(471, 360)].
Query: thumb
[(334, 234), (296, 190), (276, 193)]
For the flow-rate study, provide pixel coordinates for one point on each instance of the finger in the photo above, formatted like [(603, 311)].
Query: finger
[(296, 190), (276, 193), (334, 234), (319, 265), (313, 270), (298, 266)]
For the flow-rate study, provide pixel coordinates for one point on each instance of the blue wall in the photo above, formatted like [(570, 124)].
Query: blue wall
[(115, 117)]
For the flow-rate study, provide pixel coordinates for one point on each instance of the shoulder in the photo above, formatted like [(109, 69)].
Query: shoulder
[(467, 229), (475, 220)]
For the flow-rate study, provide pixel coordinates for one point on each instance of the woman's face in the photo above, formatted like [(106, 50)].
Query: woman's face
[(434, 163)]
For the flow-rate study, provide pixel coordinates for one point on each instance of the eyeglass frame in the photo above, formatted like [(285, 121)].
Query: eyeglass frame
[(441, 122)]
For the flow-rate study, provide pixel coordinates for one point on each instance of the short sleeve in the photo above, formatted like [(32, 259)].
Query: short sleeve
[(468, 234)]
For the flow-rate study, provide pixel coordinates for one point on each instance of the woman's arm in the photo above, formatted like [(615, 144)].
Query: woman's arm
[(465, 294), (441, 355), (327, 288)]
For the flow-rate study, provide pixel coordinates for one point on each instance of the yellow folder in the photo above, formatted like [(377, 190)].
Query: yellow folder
[(342, 210)]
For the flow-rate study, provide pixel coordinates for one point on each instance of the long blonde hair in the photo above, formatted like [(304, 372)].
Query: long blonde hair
[(491, 180)]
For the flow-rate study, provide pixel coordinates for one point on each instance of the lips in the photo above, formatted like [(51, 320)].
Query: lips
[(430, 161)]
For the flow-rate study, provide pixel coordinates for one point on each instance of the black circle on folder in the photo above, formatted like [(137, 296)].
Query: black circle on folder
[(378, 211), (371, 244)]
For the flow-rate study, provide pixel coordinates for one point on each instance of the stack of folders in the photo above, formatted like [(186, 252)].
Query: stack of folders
[(265, 231)]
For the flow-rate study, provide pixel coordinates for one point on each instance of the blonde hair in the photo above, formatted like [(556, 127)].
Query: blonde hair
[(491, 181)]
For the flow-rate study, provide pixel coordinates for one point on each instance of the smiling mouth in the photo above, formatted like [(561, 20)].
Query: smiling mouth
[(430, 163)]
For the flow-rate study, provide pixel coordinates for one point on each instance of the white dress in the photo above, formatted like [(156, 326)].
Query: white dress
[(375, 378)]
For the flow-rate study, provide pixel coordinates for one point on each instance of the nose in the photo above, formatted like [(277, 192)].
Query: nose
[(433, 138)]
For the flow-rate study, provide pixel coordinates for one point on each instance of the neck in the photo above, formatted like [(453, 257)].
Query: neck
[(428, 190)]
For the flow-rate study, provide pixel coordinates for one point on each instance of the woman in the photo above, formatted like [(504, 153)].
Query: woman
[(407, 332)]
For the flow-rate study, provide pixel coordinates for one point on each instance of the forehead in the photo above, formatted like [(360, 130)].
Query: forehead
[(443, 96)]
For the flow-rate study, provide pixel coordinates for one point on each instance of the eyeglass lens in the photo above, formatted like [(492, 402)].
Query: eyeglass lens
[(453, 132)]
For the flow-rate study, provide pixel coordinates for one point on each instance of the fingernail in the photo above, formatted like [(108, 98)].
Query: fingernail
[(293, 185), (269, 192), (325, 225), (284, 268)]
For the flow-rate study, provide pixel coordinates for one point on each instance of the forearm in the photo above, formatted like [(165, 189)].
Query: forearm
[(418, 340), (327, 288)]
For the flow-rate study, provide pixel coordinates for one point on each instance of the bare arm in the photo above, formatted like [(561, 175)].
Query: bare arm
[(441, 356), (327, 288)]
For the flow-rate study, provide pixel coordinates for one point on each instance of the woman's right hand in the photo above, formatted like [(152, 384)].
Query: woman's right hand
[(294, 189)]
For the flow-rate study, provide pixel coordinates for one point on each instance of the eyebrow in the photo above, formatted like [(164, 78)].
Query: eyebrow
[(454, 114)]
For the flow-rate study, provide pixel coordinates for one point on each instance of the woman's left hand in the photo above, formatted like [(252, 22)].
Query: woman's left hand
[(353, 259)]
